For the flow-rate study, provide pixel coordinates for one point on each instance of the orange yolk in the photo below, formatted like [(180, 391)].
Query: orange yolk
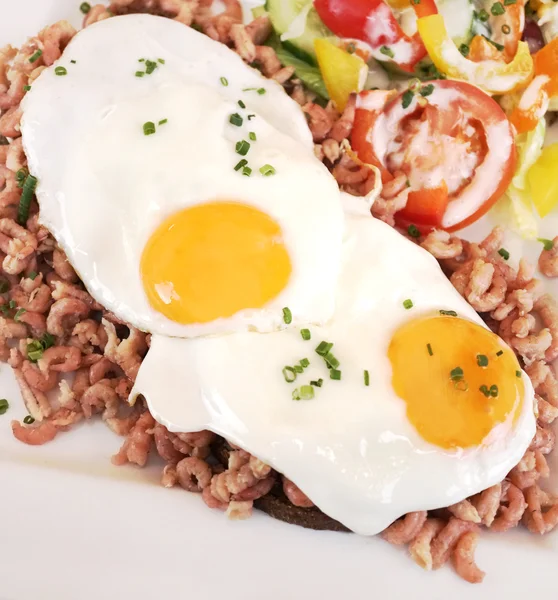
[(212, 260), (457, 378)]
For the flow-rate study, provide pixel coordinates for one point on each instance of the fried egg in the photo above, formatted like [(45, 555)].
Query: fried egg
[(424, 405), (182, 184)]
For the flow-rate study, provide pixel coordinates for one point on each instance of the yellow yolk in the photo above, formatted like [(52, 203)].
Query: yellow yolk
[(453, 398), (212, 260)]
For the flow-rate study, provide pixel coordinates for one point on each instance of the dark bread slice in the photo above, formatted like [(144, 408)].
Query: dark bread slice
[(276, 504)]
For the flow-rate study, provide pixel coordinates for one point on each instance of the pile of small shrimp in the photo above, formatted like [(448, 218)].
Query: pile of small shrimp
[(74, 360)]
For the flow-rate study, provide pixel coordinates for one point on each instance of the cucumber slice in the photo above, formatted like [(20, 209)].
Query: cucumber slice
[(287, 18)]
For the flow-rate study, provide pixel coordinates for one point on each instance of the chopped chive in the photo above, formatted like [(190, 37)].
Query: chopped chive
[(499, 353), (429, 348), (366, 378), (304, 362), (407, 98), (494, 391), (497, 9), (518, 373), (36, 56), (47, 341), (289, 374), (413, 231), (548, 244), (85, 7), (407, 304), (331, 360), (150, 66), (247, 171), (427, 90), (18, 314), (351, 47), (26, 88), (287, 315), (32, 275), (267, 170), (250, 117), (161, 61), (506, 29), (335, 374), (456, 374), (387, 51), (509, 2), (236, 119), (29, 420), (483, 15), (261, 91), (482, 360), (140, 74), (317, 383), (12, 304), (306, 392), (21, 174), (242, 147), (484, 389), (163, 121), (4, 286), (241, 104), (323, 348), (464, 49), (25, 200), (34, 350), (504, 253), (240, 164), (448, 313), (305, 333), (4, 405), (74, 62), (148, 128), (60, 71), (298, 369), (141, 59), (252, 136)]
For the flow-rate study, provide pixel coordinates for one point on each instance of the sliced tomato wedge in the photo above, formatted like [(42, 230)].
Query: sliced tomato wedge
[(451, 140), (373, 22)]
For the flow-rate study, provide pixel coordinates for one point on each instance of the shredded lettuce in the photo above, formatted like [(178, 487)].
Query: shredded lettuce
[(516, 207), (308, 74)]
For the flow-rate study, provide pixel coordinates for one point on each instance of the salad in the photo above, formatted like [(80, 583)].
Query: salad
[(456, 95)]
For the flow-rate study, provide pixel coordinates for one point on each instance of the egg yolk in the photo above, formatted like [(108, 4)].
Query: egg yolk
[(457, 379), (212, 260)]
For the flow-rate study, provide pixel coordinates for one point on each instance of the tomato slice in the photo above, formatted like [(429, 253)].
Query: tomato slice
[(373, 22), (425, 207), (452, 141), (370, 105)]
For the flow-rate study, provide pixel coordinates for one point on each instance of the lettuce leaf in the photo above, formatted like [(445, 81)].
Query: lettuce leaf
[(516, 207)]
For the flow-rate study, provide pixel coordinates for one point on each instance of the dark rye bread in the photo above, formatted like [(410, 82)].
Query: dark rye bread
[(276, 504)]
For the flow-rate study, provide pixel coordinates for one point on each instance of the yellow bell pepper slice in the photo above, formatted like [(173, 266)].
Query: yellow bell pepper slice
[(343, 73), (492, 76), (543, 181)]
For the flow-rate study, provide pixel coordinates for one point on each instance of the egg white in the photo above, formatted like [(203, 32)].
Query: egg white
[(351, 449), (104, 186)]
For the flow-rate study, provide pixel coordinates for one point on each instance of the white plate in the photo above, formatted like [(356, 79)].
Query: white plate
[(73, 527)]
